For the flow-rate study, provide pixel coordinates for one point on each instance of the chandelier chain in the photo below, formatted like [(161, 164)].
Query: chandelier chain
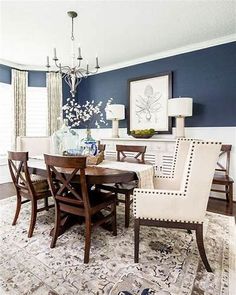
[(72, 29)]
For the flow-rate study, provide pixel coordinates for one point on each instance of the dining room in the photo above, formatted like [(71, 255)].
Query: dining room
[(117, 147)]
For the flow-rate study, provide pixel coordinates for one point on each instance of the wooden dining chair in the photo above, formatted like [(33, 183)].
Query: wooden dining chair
[(72, 196), (131, 154), (101, 147), (29, 186), (222, 177)]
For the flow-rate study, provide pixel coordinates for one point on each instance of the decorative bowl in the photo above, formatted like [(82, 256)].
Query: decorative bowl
[(142, 135)]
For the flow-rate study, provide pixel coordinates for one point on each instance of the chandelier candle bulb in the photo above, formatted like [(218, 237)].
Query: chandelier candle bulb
[(55, 54), (79, 53), (48, 65), (97, 66)]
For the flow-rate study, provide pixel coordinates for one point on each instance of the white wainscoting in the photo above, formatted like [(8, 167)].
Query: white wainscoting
[(225, 135)]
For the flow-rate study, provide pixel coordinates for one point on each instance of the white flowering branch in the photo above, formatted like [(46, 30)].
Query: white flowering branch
[(85, 115)]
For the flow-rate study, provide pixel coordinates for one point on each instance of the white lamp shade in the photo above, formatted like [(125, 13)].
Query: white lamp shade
[(115, 112), (182, 106)]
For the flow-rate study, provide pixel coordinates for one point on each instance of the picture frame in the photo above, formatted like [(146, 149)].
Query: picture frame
[(148, 103)]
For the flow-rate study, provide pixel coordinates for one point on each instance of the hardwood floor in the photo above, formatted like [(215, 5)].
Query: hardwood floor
[(214, 205), (220, 206)]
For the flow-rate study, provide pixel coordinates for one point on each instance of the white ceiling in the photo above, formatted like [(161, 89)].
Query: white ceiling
[(117, 31)]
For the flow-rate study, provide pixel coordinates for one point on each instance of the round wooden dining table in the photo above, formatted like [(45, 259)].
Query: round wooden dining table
[(94, 174)]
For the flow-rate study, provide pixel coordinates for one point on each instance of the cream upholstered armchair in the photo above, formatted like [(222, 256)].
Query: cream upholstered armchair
[(173, 180), (184, 207), (35, 145)]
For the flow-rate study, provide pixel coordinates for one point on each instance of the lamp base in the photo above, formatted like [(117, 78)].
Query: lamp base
[(179, 127), (115, 128)]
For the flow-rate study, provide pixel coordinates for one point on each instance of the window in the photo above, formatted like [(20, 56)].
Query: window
[(36, 111), (6, 118)]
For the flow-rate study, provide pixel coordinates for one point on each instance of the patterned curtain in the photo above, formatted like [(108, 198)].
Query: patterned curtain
[(20, 83), (54, 89)]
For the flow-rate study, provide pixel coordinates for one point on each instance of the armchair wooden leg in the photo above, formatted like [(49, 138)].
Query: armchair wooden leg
[(18, 206), (46, 203), (114, 225), (230, 190), (136, 240), (201, 248), (33, 217), (88, 229), (57, 226), (227, 193), (117, 200), (127, 210)]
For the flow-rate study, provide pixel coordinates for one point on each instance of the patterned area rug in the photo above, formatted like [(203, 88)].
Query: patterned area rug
[(169, 259)]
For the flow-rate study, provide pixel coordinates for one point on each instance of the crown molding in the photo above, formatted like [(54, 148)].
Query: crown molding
[(172, 52), (152, 57), (21, 66)]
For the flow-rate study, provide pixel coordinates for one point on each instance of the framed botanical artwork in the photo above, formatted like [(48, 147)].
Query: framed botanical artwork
[(148, 103)]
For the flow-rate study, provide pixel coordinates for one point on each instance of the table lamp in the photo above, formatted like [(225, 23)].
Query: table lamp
[(180, 108), (115, 112)]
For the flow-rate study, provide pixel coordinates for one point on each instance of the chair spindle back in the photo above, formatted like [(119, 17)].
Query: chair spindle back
[(101, 147), (62, 172), (17, 162), (136, 152), (223, 163)]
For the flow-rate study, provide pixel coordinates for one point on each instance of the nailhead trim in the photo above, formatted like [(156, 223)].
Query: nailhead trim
[(175, 158), (194, 144), (171, 220)]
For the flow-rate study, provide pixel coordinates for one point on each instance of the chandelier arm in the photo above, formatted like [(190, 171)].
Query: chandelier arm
[(61, 67), (80, 71), (79, 64), (78, 80), (93, 72), (66, 69), (56, 63), (73, 83), (79, 76), (68, 81), (63, 75)]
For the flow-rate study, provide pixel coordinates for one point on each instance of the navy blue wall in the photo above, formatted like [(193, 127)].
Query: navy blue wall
[(5, 74), (207, 75), (35, 78)]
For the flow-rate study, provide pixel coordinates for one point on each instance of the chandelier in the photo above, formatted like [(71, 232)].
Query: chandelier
[(73, 74)]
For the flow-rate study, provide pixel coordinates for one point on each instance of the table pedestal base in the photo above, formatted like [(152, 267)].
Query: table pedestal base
[(69, 220)]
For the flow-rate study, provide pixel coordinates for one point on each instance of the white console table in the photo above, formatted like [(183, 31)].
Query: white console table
[(159, 151)]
